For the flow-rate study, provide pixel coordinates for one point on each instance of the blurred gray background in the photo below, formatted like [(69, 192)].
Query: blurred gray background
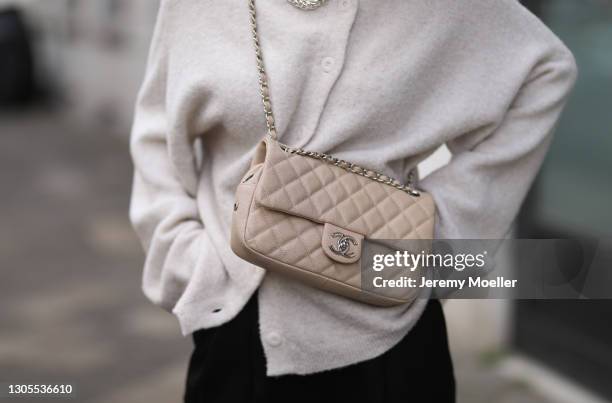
[(70, 266)]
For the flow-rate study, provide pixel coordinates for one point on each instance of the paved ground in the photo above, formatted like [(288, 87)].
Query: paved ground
[(72, 310)]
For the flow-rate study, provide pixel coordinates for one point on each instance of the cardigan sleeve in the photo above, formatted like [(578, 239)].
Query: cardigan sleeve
[(479, 192), (163, 207)]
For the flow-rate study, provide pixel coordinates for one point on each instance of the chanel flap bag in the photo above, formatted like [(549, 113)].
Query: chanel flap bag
[(306, 214)]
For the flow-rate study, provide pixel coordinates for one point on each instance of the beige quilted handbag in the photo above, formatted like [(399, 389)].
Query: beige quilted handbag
[(306, 214)]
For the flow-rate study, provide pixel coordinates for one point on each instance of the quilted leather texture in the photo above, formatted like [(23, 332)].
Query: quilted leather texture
[(322, 192), (295, 195)]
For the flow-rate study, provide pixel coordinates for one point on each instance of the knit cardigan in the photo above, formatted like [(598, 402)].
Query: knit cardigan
[(379, 83)]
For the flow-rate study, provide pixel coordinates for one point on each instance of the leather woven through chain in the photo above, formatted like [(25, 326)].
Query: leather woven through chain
[(354, 168)]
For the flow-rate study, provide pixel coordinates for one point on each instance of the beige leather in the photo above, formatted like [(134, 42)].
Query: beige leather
[(284, 202)]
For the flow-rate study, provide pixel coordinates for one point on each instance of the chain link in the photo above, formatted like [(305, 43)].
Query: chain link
[(354, 168), (264, 90)]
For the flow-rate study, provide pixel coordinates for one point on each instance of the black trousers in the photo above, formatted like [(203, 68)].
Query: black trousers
[(228, 366)]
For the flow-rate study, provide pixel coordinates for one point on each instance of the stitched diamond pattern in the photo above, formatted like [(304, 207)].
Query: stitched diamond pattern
[(297, 194), (319, 191)]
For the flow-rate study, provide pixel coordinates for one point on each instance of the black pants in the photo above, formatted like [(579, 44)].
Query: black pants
[(228, 366)]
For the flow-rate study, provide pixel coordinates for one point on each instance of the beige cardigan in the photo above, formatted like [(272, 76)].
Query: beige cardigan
[(379, 83)]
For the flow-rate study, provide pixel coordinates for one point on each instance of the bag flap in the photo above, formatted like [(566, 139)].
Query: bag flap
[(322, 192)]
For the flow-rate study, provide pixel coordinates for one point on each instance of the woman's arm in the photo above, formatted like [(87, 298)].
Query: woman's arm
[(163, 207), (479, 193)]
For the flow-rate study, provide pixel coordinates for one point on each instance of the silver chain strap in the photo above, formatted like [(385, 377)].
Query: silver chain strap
[(264, 90)]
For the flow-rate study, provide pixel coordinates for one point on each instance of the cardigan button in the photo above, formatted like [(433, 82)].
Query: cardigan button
[(274, 339), (328, 64), (344, 4)]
